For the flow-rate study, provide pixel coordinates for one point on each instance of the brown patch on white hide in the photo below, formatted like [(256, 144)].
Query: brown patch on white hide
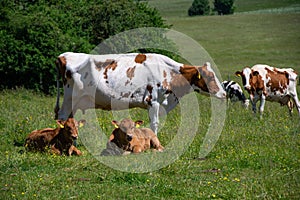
[(130, 72), (61, 63), (278, 80), (140, 58), (109, 64)]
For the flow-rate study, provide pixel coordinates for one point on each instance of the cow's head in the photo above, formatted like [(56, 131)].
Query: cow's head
[(246, 74), (204, 79), (126, 129), (70, 127)]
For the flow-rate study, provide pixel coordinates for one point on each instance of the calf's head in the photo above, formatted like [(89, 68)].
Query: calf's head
[(126, 129), (70, 127)]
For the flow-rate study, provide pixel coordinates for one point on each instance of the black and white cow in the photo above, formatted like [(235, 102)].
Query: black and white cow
[(235, 93)]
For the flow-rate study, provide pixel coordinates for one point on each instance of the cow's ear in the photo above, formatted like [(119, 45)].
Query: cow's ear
[(287, 75), (138, 123), (115, 123), (255, 73), (60, 123), (238, 73), (81, 123), (199, 75)]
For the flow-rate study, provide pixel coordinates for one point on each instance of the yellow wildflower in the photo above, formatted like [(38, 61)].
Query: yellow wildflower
[(237, 179)]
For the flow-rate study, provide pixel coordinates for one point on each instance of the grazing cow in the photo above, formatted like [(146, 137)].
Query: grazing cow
[(235, 93), (272, 84), (128, 137), (60, 139), (122, 81)]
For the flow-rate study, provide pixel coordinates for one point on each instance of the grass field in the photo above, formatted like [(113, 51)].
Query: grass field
[(253, 158), (179, 8)]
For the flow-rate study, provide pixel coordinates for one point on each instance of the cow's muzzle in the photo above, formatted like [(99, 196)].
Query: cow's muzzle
[(129, 137), (247, 87), (74, 137)]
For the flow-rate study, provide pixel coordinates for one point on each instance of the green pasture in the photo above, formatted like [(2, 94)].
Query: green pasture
[(178, 8), (253, 158)]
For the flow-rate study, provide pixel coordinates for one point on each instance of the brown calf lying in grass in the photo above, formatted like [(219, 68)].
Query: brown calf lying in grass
[(129, 138), (60, 139)]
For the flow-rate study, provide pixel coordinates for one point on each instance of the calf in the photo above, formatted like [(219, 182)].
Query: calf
[(235, 93), (129, 138), (59, 139), (272, 84)]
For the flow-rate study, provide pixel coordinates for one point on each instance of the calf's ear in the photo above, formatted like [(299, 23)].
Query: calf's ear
[(255, 73), (60, 123), (115, 123), (138, 123), (81, 123), (238, 73)]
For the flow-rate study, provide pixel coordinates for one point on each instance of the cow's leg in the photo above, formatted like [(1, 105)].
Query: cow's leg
[(55, 150), (262, 104), (74, 150), (66, 108), (156, 144), (290, 105), (154, 116), (147, 143), (297, 102), (137, 149), (253, 102), (228, 101)]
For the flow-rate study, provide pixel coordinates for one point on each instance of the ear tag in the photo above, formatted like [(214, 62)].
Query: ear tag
[(238, 75), (116, 126), (137, 125), (61, 126), (80, 124), (199, 76)]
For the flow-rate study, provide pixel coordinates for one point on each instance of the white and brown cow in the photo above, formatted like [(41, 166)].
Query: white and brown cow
[(122, 81), (272, 84)]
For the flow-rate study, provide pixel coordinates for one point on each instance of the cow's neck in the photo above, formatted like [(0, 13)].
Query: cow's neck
[(181, 84)]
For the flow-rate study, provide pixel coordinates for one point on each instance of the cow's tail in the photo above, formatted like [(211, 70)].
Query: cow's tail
[(56, 109)]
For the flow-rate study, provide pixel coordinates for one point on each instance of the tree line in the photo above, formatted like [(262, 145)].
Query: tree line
[(34, 32), (202, 7)]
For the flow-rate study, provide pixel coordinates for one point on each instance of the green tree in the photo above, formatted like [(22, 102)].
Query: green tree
[(199, 7), (224, 7), (34, 32)]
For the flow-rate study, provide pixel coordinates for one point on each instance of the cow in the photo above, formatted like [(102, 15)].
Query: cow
[(60, 139), (129, 138), (264, 82), (122, 81), (235, 93)]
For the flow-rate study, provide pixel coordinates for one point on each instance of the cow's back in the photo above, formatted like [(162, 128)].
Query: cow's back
[(40, 139), (151, 137), (121, 81), (277, 82)]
